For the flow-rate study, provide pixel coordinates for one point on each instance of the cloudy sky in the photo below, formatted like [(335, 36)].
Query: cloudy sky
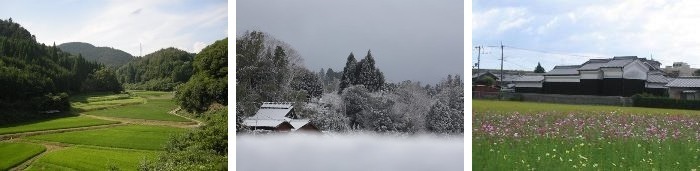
[(410, 40), (123, 24), (558, 32)]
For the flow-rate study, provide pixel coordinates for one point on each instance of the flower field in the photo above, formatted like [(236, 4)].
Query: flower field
[(579, 137)]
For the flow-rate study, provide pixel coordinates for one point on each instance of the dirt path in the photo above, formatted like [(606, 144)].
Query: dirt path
[(174, 112), (147, 122), (50, 147)]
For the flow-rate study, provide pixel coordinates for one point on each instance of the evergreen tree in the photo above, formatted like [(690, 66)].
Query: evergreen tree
[(348, 78), (539, 68)]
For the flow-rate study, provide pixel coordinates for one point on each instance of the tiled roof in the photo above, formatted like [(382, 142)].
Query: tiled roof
[(564, 70), (530, 78), (658, 78), (684, 82)]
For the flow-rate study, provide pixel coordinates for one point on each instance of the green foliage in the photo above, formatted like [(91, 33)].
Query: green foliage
[(91, 158), (33, 73), (202, 149), (486, 81), (131, 136), (102, 80), (105, 55), (159, 71), (539, 69), (50, 124), (209, 84), (665, 102)]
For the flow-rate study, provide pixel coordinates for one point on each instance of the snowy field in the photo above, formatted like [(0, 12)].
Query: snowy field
[(348, 153)]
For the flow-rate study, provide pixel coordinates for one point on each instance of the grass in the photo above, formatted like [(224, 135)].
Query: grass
[(13, 154), (59, 123), (92, 158), (130, 136), (97, 101), (511, 135), (154, 109), (493, 106)]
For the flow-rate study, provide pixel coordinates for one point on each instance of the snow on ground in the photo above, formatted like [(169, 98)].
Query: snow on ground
[(294, 152)]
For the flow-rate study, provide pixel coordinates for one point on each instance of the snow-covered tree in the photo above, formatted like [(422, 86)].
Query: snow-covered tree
[(355, 98), (349, 73)]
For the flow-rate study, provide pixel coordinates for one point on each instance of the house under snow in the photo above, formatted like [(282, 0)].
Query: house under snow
[(278, 117)]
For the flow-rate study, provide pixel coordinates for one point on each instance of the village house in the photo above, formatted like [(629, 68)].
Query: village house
[(617, 76), (278, 117), (687, 88)]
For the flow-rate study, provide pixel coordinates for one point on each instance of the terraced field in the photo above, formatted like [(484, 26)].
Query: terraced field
[(60, 123), (13, 154), (143, 125), (153, 109), (92, 158)]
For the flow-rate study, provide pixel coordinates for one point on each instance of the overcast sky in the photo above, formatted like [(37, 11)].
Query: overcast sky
[(410, 40), (123, 24), (592, 29)]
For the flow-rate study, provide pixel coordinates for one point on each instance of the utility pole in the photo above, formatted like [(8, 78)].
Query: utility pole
[(501, 63), (478, 59)]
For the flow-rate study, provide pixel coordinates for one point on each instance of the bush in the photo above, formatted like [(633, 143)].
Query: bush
[(664, 102)]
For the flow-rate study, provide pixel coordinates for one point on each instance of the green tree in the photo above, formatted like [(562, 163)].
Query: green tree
[(209, 84), (539, 69)]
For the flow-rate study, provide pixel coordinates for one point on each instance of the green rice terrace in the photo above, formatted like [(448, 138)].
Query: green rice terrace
[(108, 132), (511, 135)]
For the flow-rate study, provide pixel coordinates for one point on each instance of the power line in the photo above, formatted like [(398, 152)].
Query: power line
[(555, 53)]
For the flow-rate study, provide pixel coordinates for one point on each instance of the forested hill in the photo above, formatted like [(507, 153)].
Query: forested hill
[(161, 70), (105, 55), (34, 76)]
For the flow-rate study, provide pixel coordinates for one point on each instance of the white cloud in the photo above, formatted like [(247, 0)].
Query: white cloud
[(198, 46), (125, 24), (510, 18)]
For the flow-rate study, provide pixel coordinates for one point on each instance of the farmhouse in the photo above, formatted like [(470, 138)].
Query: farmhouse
[(529, 84), (687, 88), (617, 76), (278, 117)]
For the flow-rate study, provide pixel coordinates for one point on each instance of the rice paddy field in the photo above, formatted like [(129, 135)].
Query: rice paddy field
[(130, 136), (114, 147), (15, 153), (92, 158), (51, 124), (510, 135)]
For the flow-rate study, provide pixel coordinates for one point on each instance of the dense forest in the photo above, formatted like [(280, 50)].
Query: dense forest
[(161, 70), (36, 77), (105, 55), (356, 98), (205, 94)]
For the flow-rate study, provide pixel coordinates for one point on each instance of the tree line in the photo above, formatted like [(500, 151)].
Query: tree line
[(37, 77), (356, 98)]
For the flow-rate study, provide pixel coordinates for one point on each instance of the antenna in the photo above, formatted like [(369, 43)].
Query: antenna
[(140, 50)]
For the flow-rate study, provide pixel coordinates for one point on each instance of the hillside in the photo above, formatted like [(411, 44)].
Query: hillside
[(34, 76), (105, 55), (161, 70)]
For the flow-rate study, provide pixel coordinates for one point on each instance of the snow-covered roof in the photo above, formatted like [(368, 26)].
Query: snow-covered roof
[(298, 123), (263, 123), (274, 110)]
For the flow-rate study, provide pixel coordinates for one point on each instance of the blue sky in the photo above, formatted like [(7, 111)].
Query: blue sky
[(123, 24), (559, 32)]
